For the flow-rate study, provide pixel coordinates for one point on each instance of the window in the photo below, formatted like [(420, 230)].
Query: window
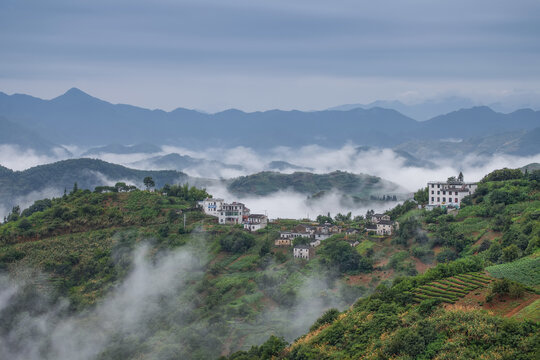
[(444, 199), (438, 199), (455, 193), (432, 199), (432, 192), (432, 185), (444, 192), (438, 186), (456, 200), (449, 199), (438, 192)]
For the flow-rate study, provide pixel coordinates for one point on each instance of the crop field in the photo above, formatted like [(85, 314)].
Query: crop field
[(525, 271), (452, 289)]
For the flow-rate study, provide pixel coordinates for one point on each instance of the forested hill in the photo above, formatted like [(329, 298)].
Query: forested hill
[(87, 173), (268, 182), (130, 279)]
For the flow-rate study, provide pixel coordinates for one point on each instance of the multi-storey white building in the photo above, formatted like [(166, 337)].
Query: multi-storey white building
[(255, 222), (303, 252), (449, 193), (234, 213), (212, 206)]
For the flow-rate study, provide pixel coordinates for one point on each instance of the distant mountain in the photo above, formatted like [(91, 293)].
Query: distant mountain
[(144, 148), (478, 121), (283, 165), (80, 119), (421, 111), (181, 162), (520, 143), (267, 182), (87, 173), (25, 139)]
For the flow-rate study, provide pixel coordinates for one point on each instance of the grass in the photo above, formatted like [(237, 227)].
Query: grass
[(364, 246), (525, 271), (531, 312)]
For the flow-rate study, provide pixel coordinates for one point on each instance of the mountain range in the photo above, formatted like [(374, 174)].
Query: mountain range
[(78, 118)]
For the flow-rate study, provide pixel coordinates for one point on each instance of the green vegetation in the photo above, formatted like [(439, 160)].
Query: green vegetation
[(267, 182), (525, 271), (245, 291), (451, 289)]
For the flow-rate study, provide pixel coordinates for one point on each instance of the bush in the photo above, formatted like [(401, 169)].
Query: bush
[(504, 287), (327, 318), (446, 255), (237, 241)]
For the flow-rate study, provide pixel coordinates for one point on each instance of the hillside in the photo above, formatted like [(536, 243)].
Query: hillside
[(86, 120), (152, 287), (442, 312), (24, 139), (144, 148), (87, 173), (181, 162), (267, 182)]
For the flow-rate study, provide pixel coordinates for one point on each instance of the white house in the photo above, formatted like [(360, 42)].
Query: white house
[(385, 227), (303, 252), (449, 193), (234, 213), (212, 206), (255, 222)]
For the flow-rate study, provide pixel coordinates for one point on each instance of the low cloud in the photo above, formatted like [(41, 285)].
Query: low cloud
[(36, 328)]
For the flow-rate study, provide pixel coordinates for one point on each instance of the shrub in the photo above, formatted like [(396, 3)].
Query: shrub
[(328, 317), (237, 241)]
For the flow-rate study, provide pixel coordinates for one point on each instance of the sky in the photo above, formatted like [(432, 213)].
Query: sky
[(257, 55)]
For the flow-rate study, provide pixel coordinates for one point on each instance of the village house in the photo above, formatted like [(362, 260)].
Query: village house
[(304, 229), (371, 228), (449, 193), (212, 206), (283, 241), (255, 222), (375, 218), (304, 252), (235, 213), (315, 243), (385, 227)]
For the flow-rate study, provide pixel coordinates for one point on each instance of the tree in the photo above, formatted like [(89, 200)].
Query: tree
[(422, 196), (460, 177), (510, 253), (149, 182)]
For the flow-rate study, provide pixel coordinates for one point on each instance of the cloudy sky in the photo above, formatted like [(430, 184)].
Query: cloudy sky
[(257, 55)]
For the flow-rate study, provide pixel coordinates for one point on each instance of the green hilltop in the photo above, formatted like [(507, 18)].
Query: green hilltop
[(445, 285)]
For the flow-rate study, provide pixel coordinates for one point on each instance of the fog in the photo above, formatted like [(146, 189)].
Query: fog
[(39, 329), (384, 163), (155, 311)]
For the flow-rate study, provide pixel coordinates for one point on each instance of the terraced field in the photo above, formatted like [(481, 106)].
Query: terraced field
[(451, 289)]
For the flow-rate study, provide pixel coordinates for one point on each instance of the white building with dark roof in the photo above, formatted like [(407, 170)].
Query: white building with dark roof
[(303, 252), (444, 193), (255, 222)]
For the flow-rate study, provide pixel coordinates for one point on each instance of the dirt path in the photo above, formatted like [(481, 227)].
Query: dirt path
[(522, 306)]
